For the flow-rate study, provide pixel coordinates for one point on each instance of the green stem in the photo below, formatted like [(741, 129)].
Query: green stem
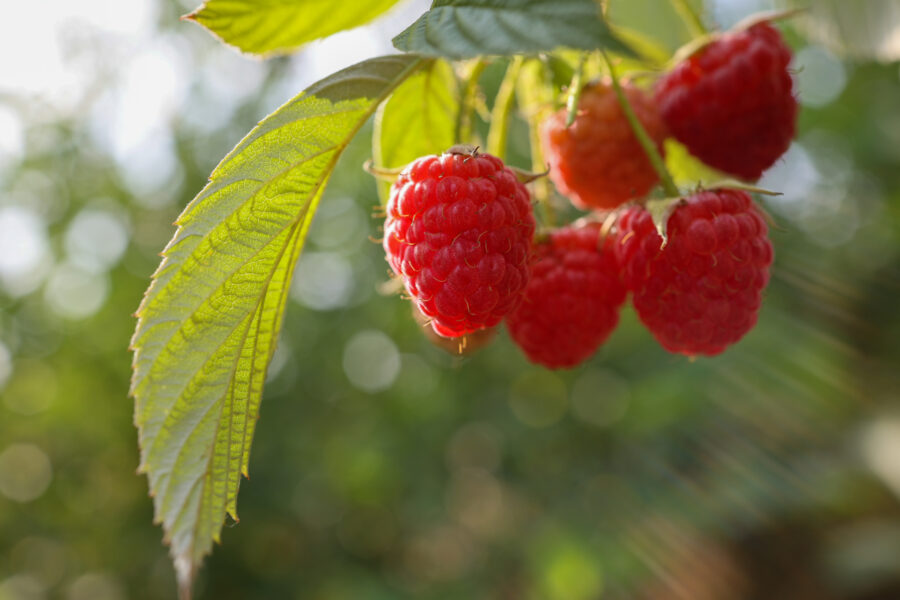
[(534, 96), (541, 184), (643, 137), (690, 17), (575, 92), (463, 130), (503, 103)]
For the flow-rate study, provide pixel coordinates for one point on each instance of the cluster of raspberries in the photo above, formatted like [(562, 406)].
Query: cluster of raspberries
[(460, 230)]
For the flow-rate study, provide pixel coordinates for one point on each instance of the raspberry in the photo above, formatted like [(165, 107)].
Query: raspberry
[(572, 300), (598, 162), (731, 103), (701, 292), (458, 232)]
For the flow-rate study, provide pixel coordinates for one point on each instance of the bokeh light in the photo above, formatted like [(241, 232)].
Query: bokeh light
[(25, 472), (23, 250), (371, 361)]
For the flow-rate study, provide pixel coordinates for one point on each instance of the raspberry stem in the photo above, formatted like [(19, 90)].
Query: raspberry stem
[(467, 102), (534, 98), (643, 137), (503, 103), (690, 17), (574, 94)]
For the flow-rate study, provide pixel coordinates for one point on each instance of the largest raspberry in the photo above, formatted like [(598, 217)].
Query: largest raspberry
[(572, 301), (702, 291), (598, 162), (458, 232), (731, 103)]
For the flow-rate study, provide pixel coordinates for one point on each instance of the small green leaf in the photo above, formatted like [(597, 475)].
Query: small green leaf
[(418, 119), (734, 184), (660, 210), (687, 170), (269, 27), (209, 321), (468, 28)]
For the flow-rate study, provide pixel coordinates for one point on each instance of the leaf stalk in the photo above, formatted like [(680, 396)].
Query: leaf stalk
[(640, 132)]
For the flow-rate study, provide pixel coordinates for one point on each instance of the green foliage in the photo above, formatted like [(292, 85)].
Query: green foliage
[(209, 322), (279, 26), (686, 170), (418, 119), (469, 28)]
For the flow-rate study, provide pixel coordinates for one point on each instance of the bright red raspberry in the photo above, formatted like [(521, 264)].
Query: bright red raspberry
[(732, 103), (572, 300), (458, 232), (598, 162), (701, 293)]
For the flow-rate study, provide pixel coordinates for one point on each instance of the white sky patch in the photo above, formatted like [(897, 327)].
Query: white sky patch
[(42, 28), (12, 136)]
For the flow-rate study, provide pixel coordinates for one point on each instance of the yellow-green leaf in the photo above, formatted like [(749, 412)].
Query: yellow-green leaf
[(279, 26), (209, 321), (687, 170), (418, 119)]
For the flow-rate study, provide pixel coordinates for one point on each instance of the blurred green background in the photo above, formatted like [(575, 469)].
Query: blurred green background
[(383, 468)]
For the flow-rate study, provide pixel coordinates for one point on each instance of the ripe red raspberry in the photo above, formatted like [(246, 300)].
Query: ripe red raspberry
[(572, 301), (701, 292), (731, 103), (598, 162), (458, 232)]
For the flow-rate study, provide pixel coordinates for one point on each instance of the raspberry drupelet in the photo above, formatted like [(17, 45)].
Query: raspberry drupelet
[(572, 301), (458, 232), (598, 162), (702, 291), (732, 103)]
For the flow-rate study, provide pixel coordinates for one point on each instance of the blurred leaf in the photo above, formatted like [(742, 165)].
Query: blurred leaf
[(655, 20), (534, 95), (418, 119), (281, 26), (650, 52), (209, 321), (468, 28), (687, 170)]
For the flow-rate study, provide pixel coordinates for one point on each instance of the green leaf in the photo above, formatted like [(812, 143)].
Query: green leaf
[(418, 119), (269, 27), (660, 210), (208, 324), (468, 28), (687, 170), (534, 95)]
